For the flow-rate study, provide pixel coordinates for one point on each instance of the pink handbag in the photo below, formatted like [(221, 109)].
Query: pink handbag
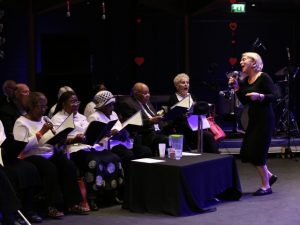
[(217, 131)]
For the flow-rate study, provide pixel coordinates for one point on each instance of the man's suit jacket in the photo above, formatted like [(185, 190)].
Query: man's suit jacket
[(9, 113), (129, 106)]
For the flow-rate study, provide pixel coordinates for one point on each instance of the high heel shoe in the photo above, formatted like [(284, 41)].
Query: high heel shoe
[(54, 213), (93, 205)]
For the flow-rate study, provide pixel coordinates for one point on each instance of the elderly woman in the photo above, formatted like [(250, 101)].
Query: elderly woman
[(23, 177), (257, 90), (59, 175), (180, 125), (102, 169)]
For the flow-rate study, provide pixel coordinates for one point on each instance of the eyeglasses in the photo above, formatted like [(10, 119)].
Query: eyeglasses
[(75, 103), (25, 93), (43, 106)]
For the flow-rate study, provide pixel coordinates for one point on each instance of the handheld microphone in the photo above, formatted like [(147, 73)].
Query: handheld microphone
[(288, 54), (48, 120)]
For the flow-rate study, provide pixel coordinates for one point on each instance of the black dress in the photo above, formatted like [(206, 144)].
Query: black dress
[(261, 122)]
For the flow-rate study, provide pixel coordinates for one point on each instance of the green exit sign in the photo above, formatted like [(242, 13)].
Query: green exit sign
[(238, 8)]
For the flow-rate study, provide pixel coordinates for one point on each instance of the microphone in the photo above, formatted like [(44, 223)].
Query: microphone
[(103, 11), (288, 54), (296, 72), (255, 43), (227, 94), (258, 43), (48, 120)]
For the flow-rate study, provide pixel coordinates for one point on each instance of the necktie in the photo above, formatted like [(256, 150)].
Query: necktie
[(148, 110)]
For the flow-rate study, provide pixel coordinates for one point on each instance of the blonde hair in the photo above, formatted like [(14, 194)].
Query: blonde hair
[(258, 66), (179, 77)]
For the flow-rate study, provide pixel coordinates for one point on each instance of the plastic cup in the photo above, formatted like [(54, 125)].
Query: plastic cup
[(162, 150)]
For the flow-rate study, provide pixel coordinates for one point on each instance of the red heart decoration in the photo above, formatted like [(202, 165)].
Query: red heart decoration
[(232, 61), (233, 26), (139, 60)]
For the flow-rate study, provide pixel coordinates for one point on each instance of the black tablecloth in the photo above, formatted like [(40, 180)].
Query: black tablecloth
[(181, 187)]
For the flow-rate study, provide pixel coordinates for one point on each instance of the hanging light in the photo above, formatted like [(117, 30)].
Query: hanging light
[(68, 14)]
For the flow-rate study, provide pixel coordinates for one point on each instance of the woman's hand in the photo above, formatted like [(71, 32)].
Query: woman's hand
[(45, 128), (233, 83), (79, 138), (254, 96)]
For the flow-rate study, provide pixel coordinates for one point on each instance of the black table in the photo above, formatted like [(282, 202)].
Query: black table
[(181, 187)]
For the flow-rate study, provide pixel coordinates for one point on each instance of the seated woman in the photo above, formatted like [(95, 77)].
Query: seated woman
[(59, 175), (180, 125), (102, 169), (120, 143), (23, 176)]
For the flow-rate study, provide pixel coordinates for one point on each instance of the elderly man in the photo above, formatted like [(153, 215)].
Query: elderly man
[(8, 89), (10, 112), (150, 133)]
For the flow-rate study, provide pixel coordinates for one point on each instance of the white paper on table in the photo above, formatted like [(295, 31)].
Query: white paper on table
[(190, 154), (148, 160), (193, 122)]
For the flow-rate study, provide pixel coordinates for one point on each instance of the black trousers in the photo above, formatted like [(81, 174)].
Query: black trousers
[(59, 177), (25, 180), (9, 202)]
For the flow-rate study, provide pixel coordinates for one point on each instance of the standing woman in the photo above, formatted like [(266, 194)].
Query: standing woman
[(59, 175), (257, 90)]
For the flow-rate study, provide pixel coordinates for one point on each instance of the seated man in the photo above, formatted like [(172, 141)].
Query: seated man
[(150, 133)]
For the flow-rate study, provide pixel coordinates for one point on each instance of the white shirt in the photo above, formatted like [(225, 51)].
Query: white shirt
[(89, 109), (51, 111), (99, 116), (81, 124), (25, 130), (2, 133)]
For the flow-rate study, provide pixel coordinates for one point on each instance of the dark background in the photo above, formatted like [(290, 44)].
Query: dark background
[(46, 49)]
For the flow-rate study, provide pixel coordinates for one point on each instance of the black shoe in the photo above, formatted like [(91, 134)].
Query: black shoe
[(34, 217), (93, 205), (261, 192), (272, 179), (14, 221)]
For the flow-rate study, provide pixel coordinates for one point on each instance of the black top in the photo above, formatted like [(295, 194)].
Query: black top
[(258, 134)]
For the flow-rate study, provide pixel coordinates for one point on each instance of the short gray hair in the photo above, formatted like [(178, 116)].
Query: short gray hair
[(179, 77), (257, 59)]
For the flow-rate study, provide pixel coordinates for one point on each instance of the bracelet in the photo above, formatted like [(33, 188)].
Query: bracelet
[(39, 135)]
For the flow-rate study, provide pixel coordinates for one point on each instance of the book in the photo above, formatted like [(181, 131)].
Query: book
[(97, 130), (59, 134), (11, 148)]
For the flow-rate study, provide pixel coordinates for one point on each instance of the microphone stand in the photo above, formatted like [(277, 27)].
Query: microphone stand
[(288, 153)]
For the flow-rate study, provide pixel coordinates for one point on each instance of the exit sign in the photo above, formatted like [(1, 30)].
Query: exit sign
[(238, 8)]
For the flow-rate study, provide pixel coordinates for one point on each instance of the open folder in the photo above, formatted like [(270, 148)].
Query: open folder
[(178, 109), (134, 121), (97, 130), (60, 134), (193, 122)]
